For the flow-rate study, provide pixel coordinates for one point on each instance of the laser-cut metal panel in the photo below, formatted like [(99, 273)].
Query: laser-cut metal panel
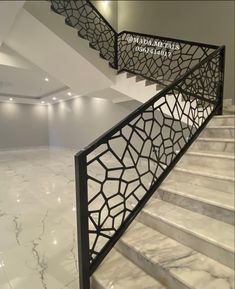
[(160, 59), (81, 15), (122, 169)]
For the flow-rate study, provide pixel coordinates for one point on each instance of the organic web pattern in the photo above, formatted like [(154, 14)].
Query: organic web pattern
[(204, 82), (90, 25), (130, 159), (175, 60), (122, 170)]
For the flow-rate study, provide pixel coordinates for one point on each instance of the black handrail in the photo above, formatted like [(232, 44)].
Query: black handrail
[(133, 114), (82, 14), (208, 98), (170, 39), (82, 163), (101, 16)]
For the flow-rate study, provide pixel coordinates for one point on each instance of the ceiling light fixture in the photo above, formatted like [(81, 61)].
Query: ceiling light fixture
[(69, 93), (54, 98), (42, 102), (10, 98), (47, 79)]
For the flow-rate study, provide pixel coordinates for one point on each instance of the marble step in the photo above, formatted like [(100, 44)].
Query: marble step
[(118, 272), (212, 203), (213, 161), (228, 111), (214, 145), (202, 177), (222, 120), (172, 263), (218, 132), (208, 236)]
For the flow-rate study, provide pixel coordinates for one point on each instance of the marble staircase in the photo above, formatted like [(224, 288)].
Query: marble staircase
[(135, 87), (184, 236)]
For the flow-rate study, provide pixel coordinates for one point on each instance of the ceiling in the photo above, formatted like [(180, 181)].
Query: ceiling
[(20, 80), (26, 83), (23, 82)]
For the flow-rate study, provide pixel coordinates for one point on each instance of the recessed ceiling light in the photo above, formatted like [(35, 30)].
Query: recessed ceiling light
[(42, 102), (69, 93), (46, 79), (54, 98), (10, 98)]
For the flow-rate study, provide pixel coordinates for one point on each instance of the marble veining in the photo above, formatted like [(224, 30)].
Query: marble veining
[(169, 260), (38, 244), (119, 273), (38, 249)]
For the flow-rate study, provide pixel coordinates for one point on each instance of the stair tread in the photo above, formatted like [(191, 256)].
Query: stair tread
[(220, 126), (210, 139), (214, 154), (118, 272), (202, 194), (212, 230), (191, 268), (208, 172), (223, 116)]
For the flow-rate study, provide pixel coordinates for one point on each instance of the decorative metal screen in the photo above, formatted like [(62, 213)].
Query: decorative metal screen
[(158, 58), (91, 25), (123, 167), (119, 172)]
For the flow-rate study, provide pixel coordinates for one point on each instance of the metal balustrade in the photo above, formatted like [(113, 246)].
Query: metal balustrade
[(118, 173), (91, 25)]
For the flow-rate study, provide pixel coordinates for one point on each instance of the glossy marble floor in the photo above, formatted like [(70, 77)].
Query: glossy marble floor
[(37, 220)]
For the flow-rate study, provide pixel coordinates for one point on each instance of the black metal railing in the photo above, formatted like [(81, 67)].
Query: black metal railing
[(91, 25), (118, 173), (160, 59)]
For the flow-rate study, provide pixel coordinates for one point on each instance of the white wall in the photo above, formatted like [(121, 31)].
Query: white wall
[(23, 125), (78, 122), (74, 124), (109, 10)]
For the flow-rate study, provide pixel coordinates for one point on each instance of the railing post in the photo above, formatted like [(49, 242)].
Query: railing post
[(221, 88), (82, 220)]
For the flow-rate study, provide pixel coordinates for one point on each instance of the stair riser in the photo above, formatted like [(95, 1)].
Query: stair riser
[(203, 246), (218, 132), (210, 210), (226, 186), (155, 270), (212, 163), (224, 121), (228, 111), (213, 146)]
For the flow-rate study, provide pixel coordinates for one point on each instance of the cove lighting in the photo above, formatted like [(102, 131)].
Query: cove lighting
[(47, 79)]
